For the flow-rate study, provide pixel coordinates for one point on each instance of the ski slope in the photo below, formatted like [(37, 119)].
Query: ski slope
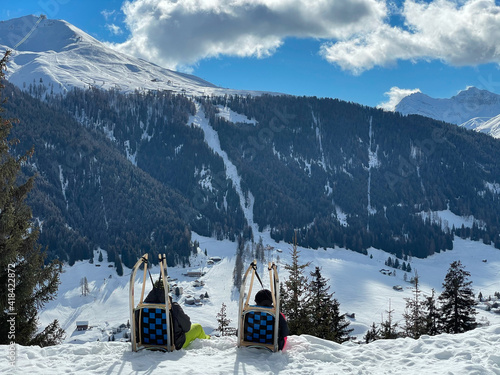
[(355, 279)]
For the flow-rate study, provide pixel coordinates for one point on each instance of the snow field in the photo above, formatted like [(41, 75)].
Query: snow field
[(355, 279), (474, 352)]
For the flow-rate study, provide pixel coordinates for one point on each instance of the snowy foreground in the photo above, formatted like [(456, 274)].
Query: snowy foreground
[(470, 353), (356, 279)]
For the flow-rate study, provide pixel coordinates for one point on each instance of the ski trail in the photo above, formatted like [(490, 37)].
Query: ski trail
[(317, 123), (212, 139), (373, 162), (42, 17)]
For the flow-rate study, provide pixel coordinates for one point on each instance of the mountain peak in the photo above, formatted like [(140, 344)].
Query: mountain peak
[(61, 56), (470, 108), (39, 34), (471, 90), (478, 96)]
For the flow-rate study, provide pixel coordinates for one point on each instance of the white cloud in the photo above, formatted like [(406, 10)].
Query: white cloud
[(115, 30), (457, 32), (395, 95), (107, 13), (356, 34), (178, 33)]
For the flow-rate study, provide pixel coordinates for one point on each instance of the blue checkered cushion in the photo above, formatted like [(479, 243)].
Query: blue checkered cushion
[(259, 327), (153, 326)]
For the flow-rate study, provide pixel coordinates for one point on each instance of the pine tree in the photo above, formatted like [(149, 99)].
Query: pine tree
[(238, 265), (84, 284), (224, 322), (259, 251), (339, 324), (415, 320), (118, 265), (52, 335), (293, 293), (100, 259), (372, 334), (431, 315), (325, 320), (388, 328), (457, 301), (318, 306), (28, 283), (396, 263)]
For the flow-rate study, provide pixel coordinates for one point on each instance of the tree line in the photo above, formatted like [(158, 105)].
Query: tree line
[(311, 309), (453, 311)]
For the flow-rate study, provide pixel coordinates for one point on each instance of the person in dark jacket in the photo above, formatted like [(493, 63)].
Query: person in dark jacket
[(184, 331), (264, 298)]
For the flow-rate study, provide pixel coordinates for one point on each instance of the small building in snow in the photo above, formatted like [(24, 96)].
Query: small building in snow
[(198, 283), (195, 274), (82, 325)]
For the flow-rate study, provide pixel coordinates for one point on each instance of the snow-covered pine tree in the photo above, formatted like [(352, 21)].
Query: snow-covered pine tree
[(457, 301), (28, 283), (224, 322)]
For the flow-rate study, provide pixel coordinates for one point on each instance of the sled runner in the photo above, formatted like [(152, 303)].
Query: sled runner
[(151, 323), (258, 325)]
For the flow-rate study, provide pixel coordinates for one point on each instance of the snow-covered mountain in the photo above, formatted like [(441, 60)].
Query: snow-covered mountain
[(62, 56), (489, 125), (471, 108)]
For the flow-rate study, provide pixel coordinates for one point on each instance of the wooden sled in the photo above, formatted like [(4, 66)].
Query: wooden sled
[(258, 325), (151, 323)]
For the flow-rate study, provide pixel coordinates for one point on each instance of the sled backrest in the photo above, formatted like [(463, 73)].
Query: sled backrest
[(151, 327), (259, 327), (151, 322)]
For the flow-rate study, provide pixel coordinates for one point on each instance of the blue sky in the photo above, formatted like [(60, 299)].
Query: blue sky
[(364, 51)]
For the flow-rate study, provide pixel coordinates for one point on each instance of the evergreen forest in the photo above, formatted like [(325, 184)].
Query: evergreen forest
[(132, 173)]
